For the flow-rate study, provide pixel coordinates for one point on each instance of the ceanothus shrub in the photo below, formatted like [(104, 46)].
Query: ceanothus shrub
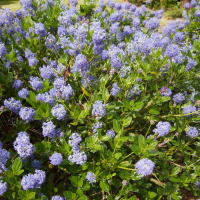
[(96, 103)]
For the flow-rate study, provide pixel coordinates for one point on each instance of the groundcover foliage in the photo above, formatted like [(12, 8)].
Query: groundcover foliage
[(97, 104)]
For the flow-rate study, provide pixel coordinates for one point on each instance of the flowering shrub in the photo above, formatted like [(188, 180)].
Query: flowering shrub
[(100, 104)]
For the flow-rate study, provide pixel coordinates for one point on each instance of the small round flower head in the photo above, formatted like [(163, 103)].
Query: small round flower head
[(115, 90), (197, 13), (48, 129), (73, 2), (189, 109), (59, 111), (111, 133), (145, 167), (13, 105), (148, 2), (162, 128), (193, 3), (74, 141), (191, 64), (152, 23), (98, 109), (118, 6), (59, 82), (133, 8), (127, 30), (2, 49), (3, 187), (56, 159), (46, 72), (27, 114), (17, 84), (4, 156), (90, 177), (124, 182), (178, 98), (187, 5), (32, 61), (78, 157), (58, 197), (67, 91), (167, 92), (96, 126), (36, 83), (192, 132), (36, 164), (172, 50), (40, 29), (23, 93)]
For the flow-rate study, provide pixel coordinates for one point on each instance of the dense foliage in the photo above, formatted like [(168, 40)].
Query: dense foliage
[(97, 104)]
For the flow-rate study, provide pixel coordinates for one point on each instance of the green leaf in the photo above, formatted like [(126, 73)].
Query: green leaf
[(105, 138), (142, 142), (64, 58), (164, 99), (127, 121), (118, 155), (175, 170), (105, 95), (22, 194), (9, 77), (69, 195), (154, 111), (152, 194), (17, 165), (104, 186), (31, 195), (116, 126), (138, 106), (19, 172), (83, 197)]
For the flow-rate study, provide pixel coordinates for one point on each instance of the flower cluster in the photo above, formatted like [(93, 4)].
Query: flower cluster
[(162, 128), (56, 159), (145, 167)]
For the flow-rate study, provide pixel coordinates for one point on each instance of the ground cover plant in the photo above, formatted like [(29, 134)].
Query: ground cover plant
[(96, 104)]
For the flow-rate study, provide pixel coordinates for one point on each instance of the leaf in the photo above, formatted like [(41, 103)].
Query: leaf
[(17, 165), (118, 155), (127, 121), (19, 172), (85, 92), (164, 99), (105, 95), (175, 170), (9, 77), (154, 111), (138, 106), (83, 197), (105, 138), (116, 126), (104, 186), (152, 194), (142, 142)]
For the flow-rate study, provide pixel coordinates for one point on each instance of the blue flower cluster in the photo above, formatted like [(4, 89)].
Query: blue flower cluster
[(111, 133), (33, 181), (23, 146), (56, 159), (90, 177), (98, 109), (192, 132), (4, 156), (162, 128), (145, 167), (79, 157)]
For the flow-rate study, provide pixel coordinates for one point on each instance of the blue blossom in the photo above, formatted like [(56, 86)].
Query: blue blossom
[(148, 2), (116, 62), (59, 82), (33, 181), (111, 3), (127, 30), (90, 177), (46, 72), (32, 61), (23, 146), (59, 111), (118, 6), (13, 105), (40, 29), (191, 64), (111, 133), (98, 109), (152, 23), (187, 5), (192, 132), (172, 50), (48, 129), (162, 128), (178, 37), (145, 167), (197, 13), (133, 8), (115, 90), (36, 83), (36, 164), (17, 84), (96, 126), (4, 156), (167, 92), (78, 157), (74, 141), (193, 3), (58, 197), (178, 98), (3, 187), (2, 50), (67, 91), (56, 159), (27, 114), (73, 2), (189, 109)]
